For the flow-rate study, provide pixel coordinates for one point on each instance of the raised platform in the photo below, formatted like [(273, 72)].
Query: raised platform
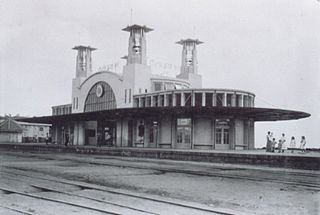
[(308, 161)]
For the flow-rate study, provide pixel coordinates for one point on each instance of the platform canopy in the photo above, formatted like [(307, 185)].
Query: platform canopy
[(256, 114)]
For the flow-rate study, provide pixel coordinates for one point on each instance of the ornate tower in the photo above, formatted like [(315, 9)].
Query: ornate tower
[(83, 70), (137, 73), (84, 61), (137, 44), (189, 62)]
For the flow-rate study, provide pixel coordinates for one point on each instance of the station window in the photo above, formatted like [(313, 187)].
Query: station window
[(129, 95), (198, 99), (125, 96), (209, 99), (218, 135), (222, 131), (187, 99), (91, 132), (229, 100), (219, 99), (157, 86), (225, 136), (178, 99), (168, 86), (183, 130)]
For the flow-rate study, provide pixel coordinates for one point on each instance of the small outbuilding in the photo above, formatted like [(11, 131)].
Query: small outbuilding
[(10, 131)]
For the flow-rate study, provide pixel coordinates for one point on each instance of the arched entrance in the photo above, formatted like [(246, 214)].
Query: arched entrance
[(100, 97), (100, 132)]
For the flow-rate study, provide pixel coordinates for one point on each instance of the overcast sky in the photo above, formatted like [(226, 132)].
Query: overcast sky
[(269, 47)]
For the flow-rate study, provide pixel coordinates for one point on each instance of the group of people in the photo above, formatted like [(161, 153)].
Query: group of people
[(272, 144)]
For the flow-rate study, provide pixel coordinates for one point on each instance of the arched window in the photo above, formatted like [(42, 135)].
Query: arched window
[(100, 97)]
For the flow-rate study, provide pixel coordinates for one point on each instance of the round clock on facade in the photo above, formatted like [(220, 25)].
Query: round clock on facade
[(99, 90)]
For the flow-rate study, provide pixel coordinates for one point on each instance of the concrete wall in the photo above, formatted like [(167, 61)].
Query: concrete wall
[(137, 77), (124, 133), (166, 140), (251, 135), (202, 133), (239, 134), (6, 137), (91, 125)]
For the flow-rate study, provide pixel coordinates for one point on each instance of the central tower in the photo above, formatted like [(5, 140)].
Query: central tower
[(137, 73), (137, 44)]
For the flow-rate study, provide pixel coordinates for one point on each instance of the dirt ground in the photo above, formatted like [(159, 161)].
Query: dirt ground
[(248, 196)]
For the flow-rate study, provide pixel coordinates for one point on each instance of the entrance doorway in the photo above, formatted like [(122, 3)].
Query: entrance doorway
[(106, 133), (183, 137), (222, 134), (153, 133)]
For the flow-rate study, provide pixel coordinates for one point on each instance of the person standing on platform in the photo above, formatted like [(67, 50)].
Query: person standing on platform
[(273, 144), (269, 138), (47, 139), (292, 143), (303, 144), (282, 144)]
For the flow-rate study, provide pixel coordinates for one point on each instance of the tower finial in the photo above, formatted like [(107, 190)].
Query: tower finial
[(189, 62), (84, 61), (137, 44)]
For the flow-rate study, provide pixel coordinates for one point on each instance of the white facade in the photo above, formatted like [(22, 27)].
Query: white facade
[(137, 87), (34, 132)]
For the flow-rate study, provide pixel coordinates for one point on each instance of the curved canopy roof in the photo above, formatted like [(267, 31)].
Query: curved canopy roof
[(256, 114)]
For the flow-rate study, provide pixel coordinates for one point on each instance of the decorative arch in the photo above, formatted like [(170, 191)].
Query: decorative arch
[(100, 97)]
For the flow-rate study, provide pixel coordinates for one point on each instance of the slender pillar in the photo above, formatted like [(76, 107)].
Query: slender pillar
[(151, 101), (241, 101), (203, 99), (81, 133), (233, 100), (165, 102), (214, 99), (174, 100), (193, 99), (224, 100), (182, 99)]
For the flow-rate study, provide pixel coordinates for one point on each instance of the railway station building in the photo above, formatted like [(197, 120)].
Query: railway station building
[(140, 109)]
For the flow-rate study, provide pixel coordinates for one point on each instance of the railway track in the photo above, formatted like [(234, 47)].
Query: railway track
[(278, 177), (180, 206)]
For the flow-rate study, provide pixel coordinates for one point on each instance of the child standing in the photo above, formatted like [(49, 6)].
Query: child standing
[(292, 143), (303, 144)]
